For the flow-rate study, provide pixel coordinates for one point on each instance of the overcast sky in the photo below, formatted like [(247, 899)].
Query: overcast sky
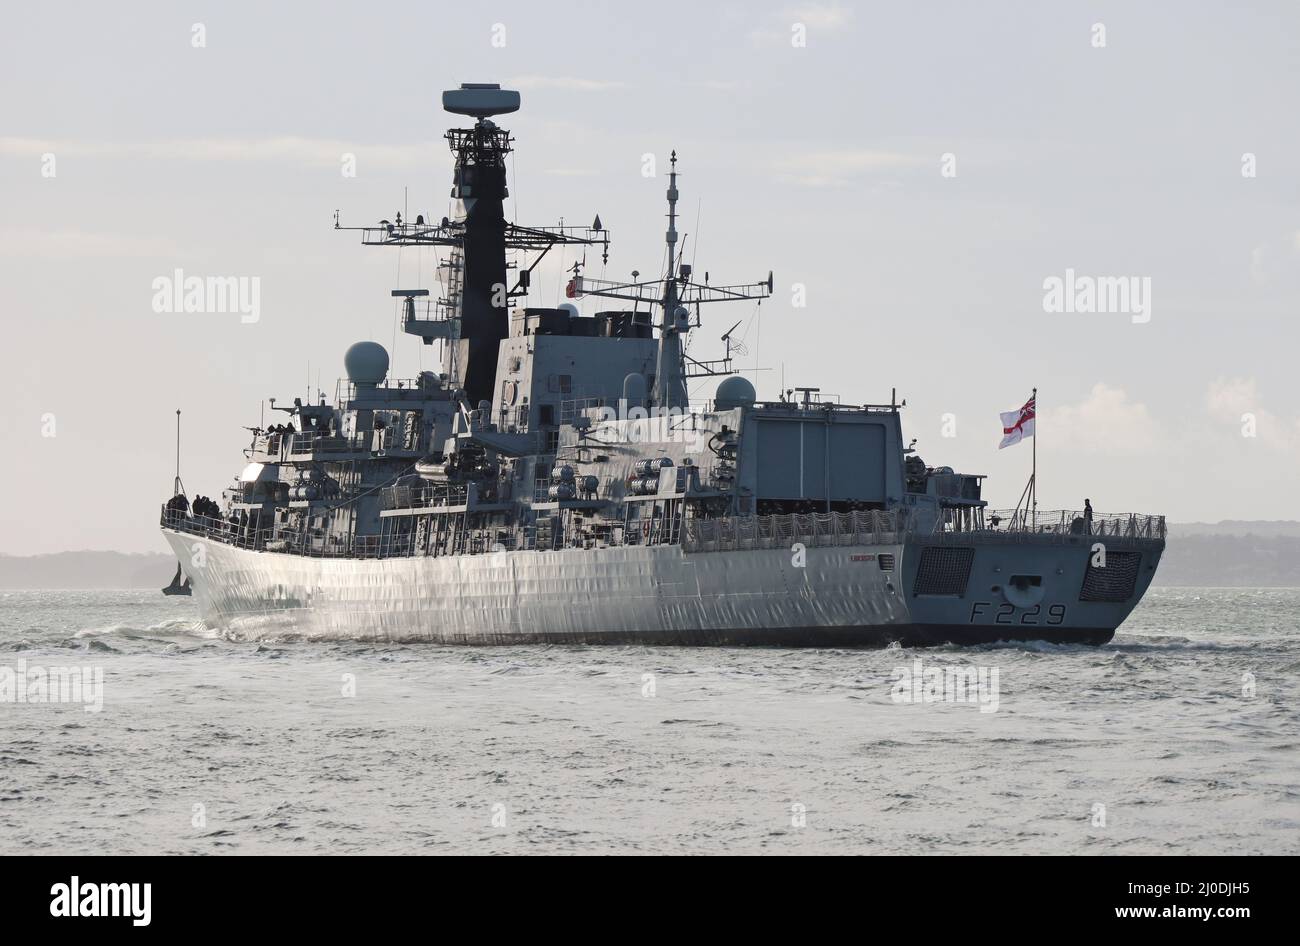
[(823, 162)]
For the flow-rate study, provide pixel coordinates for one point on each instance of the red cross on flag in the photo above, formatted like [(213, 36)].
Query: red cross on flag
[(1017, 425)]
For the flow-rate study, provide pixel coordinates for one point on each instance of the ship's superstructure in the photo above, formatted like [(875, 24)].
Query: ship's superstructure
[(553, 483)]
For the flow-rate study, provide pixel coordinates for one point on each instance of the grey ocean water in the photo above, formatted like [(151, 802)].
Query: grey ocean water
[(555, 749)]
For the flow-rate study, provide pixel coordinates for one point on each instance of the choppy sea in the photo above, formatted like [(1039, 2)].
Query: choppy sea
[(1182, 736)]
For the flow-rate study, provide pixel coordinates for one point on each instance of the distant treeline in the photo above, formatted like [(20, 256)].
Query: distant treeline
[(86, 570), (1246, 527), (1231, 560)]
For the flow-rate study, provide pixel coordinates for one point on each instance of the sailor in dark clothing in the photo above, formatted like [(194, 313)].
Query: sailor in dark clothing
[(1087, 516), (177, 506)]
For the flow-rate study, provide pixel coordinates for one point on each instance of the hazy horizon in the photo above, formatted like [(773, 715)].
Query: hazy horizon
[(824, 163)]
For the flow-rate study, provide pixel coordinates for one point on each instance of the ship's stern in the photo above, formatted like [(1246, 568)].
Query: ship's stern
[(1008, 585)]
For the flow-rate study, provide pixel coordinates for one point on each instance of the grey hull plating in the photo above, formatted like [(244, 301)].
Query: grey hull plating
[(843, 596)]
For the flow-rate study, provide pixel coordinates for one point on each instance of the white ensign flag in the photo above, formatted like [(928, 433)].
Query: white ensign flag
[(1017, 425)]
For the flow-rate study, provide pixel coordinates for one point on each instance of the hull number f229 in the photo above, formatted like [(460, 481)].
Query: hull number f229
[(982, 611)]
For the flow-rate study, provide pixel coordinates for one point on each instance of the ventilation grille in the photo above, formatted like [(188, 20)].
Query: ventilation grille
[(886, 560), (1115, 582), (943, 571)]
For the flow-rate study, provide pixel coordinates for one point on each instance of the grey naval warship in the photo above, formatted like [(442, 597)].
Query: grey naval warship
[(553, 484)]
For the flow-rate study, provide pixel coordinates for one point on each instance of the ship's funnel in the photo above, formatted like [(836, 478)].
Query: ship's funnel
[(480, 100)]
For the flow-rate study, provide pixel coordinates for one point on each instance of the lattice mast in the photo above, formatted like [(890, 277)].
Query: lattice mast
[(479, 294), (674, 294)]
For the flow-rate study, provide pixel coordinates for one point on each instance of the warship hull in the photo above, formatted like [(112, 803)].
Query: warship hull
[(841, 596), (555, 484)]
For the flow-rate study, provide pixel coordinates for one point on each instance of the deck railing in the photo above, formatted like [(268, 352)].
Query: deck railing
[(874, 527), (314, 543), (283, 445), (215, 529), (860, 527), (1074, 522)]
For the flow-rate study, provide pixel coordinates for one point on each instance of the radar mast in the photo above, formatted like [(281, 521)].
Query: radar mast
[(473, 315), (674, 295)]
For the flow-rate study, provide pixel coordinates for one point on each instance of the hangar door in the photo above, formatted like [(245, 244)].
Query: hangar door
[(795, 455)]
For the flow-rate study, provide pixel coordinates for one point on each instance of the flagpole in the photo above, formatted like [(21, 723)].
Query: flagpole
[(176, 486), (1033, 476)]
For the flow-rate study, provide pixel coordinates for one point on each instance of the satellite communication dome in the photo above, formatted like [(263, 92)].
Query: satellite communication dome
[(734, 392), (366, 363), (570, 308)]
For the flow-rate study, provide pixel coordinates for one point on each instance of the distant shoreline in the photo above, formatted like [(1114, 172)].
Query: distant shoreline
[(86, 571)]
